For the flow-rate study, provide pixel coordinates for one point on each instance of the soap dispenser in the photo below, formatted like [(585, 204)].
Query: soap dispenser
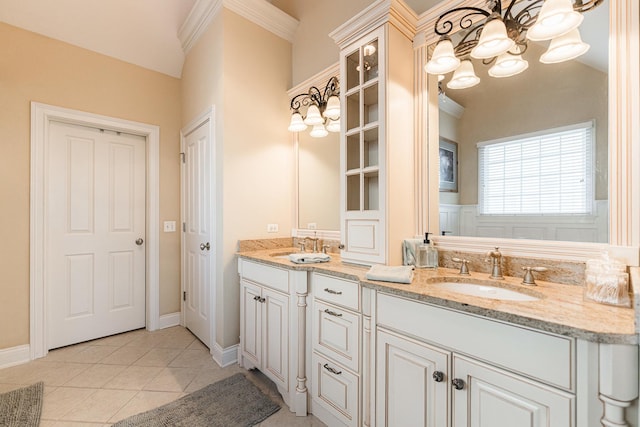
[(427, 254)]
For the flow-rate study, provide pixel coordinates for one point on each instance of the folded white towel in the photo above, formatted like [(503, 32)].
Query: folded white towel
[(398, 274), (309, 258)]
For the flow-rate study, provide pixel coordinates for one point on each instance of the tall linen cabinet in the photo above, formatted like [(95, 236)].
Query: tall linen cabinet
[(377, 137)]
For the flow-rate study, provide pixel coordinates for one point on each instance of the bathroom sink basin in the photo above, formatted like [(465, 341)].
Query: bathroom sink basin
[(484, 291), (281, 255)]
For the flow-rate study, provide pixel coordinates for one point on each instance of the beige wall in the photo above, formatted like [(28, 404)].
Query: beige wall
[(244, 71), (313, 49), (542, 97), (36, 68)]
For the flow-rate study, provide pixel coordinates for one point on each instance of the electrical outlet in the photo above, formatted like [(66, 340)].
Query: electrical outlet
[(272, 228), (169, 226), (312, 226)]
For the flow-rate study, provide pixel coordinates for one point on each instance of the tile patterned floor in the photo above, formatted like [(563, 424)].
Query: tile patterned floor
[(103, 381)]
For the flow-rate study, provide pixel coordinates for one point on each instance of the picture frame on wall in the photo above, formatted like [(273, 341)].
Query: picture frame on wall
[(448, 155)]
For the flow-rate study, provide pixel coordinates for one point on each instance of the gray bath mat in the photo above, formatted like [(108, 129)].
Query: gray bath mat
[(234, 401), (21, 407)]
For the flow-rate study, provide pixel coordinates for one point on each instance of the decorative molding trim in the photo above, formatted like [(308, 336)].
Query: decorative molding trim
[(225, 356), (13, 356), (266, 15), (41, 116), (450, 106), (197, 22), (169, 320), (259, 12), (396, 12)]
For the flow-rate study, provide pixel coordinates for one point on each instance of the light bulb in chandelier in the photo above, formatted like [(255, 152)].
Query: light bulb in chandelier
[(296, 124), (318, 131), (444, 59), (332, 110), (494, 40), (464, 77), (508, 64), (333, 125), (313, 116), (556, 18), (564, 48)]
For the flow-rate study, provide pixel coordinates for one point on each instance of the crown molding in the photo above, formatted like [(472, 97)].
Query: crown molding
[(260, 12), (396, 12)]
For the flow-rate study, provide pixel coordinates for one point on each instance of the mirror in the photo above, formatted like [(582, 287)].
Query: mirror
[(319, 182), (545, 96), (317, 170)]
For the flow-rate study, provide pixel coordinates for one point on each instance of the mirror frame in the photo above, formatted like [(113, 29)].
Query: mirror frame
[(319, 80), (624, 146)]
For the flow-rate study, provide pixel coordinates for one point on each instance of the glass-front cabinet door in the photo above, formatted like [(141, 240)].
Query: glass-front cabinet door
[(361, 148)]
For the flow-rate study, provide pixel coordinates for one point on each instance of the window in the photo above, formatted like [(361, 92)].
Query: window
[(546, 173)]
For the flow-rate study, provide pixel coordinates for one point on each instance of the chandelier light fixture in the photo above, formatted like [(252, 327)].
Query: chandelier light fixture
[(322, 110), (499, 37)]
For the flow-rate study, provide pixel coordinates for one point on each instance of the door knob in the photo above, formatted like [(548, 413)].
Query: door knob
[(139, 241), (206, 246)]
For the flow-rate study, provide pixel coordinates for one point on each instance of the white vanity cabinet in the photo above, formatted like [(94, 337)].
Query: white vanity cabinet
[(438, 367), (273, 327), (376, 142), (336, 323)]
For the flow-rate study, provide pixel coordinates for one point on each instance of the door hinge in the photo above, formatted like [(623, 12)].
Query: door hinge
[(183, 158), (184, 295), (184, 227)]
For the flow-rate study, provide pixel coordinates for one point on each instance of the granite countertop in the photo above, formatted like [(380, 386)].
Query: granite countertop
[(560, 309)]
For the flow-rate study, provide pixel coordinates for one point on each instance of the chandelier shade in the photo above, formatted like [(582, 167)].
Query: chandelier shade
[(499, 36), (564, 48), (322, 110), (464, 77), (493, 40)]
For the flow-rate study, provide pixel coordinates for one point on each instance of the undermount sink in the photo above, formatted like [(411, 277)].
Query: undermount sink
[(484, 291)]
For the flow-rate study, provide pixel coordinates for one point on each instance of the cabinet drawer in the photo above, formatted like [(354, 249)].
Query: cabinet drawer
[(539, 355), (335, 389), (273, 277), (337, 291), (336, 333)]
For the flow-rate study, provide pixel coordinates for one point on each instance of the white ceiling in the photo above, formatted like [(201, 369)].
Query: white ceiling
[(141, 32)]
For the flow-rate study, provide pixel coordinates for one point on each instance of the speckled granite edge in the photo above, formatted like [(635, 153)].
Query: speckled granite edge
[(568, 314)]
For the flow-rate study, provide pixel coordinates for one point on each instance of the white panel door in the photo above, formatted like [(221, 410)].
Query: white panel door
[(491, 397), (199, 250), (95, 229), (251, 324), (275, 321), (412, 388)]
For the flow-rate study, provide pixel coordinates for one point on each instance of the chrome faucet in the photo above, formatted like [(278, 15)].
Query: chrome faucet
[(496, 263), (314, 241)]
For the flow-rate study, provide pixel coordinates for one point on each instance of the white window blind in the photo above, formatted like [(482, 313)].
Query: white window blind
[(546, 173)]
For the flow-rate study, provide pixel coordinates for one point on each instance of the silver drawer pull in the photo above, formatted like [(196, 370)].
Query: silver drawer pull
[(331, 291), (332, 313), (330, 369)]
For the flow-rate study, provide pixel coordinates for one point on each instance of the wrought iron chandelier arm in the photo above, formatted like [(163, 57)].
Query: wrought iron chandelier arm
[(446, 25), (332, 88)]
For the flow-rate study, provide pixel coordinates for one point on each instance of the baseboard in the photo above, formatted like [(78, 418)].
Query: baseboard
[(225, 356), (169, 320), (15, 356)]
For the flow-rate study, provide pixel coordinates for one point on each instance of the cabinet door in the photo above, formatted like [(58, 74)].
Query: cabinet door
[(408, 392), (275, 319), (251, 323), (491, 397)]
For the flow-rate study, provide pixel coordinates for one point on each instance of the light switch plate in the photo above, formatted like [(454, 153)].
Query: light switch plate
[(169, 226)]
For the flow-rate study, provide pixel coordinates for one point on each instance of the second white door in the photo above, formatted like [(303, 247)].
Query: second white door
[(199, 250), (95, 230)]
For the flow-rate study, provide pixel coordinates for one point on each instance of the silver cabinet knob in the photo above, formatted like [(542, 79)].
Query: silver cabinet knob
[(438, 376), (139, 241), (204, 246), (457, 383)]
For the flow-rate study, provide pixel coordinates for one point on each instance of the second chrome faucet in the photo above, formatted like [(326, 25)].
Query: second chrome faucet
[(495, 257)]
